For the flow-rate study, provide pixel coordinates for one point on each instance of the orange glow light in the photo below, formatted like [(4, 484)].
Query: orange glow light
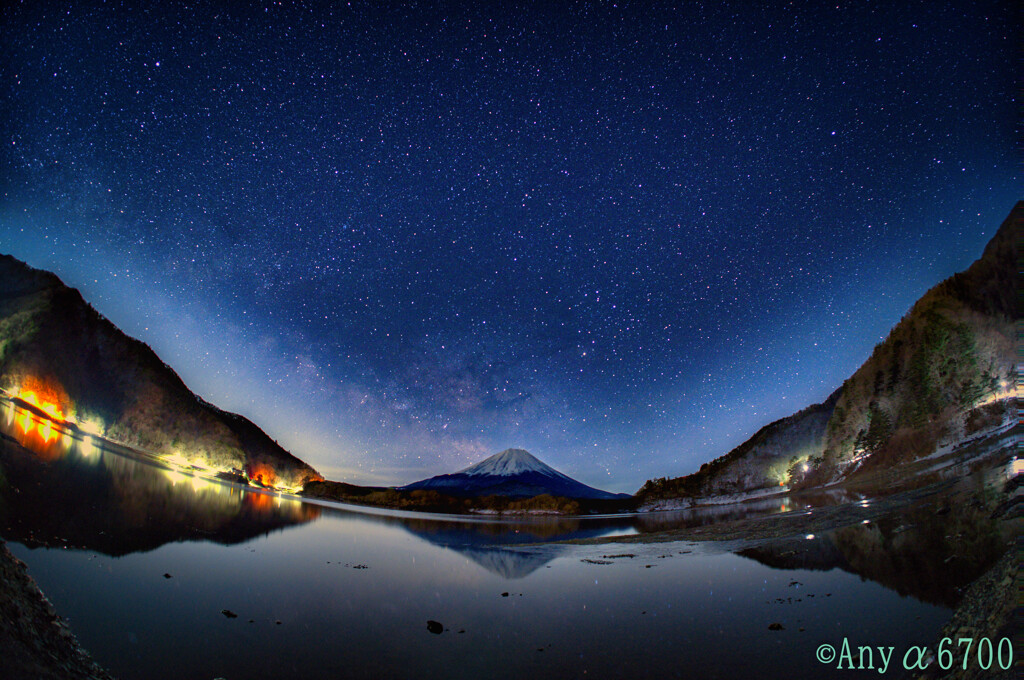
[(39, 435), (47, 396), (25, 419), (261, 473), (259, 502)]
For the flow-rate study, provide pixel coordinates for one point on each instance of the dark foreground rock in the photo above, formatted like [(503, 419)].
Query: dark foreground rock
[(986, 611), (34, 641)]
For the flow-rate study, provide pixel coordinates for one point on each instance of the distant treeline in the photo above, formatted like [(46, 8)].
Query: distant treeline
[(429, 500)]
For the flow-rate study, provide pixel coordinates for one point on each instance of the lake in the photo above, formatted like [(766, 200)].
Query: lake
[(165, 575)]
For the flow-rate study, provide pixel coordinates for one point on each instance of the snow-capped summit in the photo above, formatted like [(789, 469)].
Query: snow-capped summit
[(513, 472), (509, 462)]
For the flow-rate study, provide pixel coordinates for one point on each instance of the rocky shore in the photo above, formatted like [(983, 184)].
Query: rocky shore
[(35, 643), (990, 609)]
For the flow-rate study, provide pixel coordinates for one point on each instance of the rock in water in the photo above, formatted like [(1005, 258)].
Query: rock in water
[(435, 627)]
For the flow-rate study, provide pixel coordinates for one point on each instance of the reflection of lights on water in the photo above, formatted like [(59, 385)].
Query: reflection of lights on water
[(867, 521), (175, 476), (262, 501), (257, 500), (1018, 467), (88, 447), (197, 483), (809, 537), (42, 426)]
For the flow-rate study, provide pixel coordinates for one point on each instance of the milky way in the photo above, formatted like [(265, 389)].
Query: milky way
[(620, 236)]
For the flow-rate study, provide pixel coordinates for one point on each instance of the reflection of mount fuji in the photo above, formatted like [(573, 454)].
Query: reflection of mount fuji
[(60, 489), (511, 563), (504, 549)]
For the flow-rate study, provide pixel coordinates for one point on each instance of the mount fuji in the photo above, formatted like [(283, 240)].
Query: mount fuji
[(513, 472)]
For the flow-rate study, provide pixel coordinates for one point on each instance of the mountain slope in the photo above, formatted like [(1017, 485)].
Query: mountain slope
[(945, 372), (514, 473), (61, 355), (765, 461)]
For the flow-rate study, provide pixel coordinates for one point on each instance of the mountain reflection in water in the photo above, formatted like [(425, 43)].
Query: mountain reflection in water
[(62, 488), (500, 555), (929, 552), (347, 592)]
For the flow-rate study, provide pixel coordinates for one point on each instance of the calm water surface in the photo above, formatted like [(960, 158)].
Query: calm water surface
[(322, 591)]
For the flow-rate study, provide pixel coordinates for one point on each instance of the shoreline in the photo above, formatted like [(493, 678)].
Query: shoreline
[(35, 642), (987, 610), (755, 530)]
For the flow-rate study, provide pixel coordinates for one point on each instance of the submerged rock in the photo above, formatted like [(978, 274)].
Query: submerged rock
[(435, 627)]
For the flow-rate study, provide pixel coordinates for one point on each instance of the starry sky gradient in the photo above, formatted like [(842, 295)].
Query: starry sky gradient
[(622, 236)]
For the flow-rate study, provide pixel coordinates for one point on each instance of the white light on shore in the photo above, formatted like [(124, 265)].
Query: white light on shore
[(93, 426)]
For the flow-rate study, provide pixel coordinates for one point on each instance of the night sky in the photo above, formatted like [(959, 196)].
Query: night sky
[(622, 236)]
